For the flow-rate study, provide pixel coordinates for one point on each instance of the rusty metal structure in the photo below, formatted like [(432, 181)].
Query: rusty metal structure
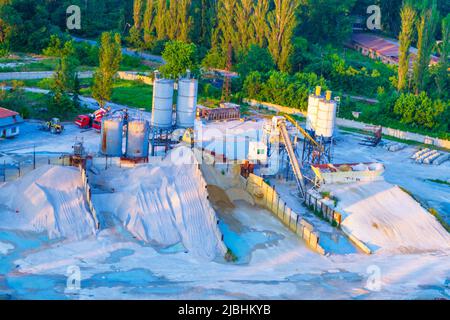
[(226, 113)]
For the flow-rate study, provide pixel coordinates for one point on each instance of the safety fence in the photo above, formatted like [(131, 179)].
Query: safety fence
[(88, 194), (315, 202), (328, 212), (266, 196), (13, 170)]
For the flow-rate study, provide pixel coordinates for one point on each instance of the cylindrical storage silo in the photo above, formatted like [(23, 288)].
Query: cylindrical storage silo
[(137, 139), (187, 103), (112, 135), (162, 112), (326, 118), (311, 118)]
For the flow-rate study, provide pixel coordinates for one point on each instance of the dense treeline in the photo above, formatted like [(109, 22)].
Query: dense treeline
[(286, 46)]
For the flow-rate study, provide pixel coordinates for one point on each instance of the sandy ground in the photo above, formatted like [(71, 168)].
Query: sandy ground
[(272, 262)]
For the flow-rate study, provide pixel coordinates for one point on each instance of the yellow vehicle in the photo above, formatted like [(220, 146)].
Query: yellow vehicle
[(54, 126)]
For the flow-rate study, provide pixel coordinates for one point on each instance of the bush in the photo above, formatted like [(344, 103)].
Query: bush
[(282, 88)]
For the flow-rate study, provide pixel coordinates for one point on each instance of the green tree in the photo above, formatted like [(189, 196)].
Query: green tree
[(160, 20), (255, 59), (259, 21), (408, 16), (426, 27), (138, 6), (64, 81), (179, 57), (225, 30), (421, 111), (110, 56), (442, 77), (245, 31), (325, 21), (281, 25), (149, 24)]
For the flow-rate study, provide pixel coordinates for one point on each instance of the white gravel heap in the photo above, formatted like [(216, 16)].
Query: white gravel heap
[(47, 200)]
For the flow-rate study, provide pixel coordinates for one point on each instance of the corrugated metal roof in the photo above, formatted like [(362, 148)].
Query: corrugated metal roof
[(383, 46)]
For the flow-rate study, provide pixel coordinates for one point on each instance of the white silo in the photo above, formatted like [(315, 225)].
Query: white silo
[(112, 137), (187, 102), (313, 108), (326, 117), (162, 111)]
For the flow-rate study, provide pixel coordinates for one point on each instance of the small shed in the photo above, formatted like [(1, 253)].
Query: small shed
[(9, 123)]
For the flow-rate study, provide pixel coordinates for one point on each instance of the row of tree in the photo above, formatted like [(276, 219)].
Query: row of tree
[(421, 20)]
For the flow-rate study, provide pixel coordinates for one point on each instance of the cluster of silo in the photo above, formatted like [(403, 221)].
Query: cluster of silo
[(135, 132), (186, 109), (162, 112), (321, 117), (112, 136)]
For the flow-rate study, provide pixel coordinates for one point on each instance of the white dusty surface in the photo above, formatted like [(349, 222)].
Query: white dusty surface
[(48, 200), (387, 219), (273, 262), (5, 247), (115, 266), (163, 204)]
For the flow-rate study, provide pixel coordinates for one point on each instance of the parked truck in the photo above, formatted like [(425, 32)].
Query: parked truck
[(93, 120)]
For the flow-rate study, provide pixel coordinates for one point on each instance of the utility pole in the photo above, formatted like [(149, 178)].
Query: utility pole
[(34, 157), (226, 91)]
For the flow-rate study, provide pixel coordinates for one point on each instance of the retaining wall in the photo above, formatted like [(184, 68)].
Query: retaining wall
[(265, 196), (328, 212)]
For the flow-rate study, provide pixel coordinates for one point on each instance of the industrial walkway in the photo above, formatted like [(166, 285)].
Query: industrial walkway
[(293, 158)]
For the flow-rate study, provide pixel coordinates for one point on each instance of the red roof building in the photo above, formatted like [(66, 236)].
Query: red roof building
[(9, 123), (387, 50)]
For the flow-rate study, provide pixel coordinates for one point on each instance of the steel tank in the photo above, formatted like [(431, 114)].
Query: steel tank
[(326, 117), (162, 112), (112, 137), (313, 108), (137, 139), (187, 102)]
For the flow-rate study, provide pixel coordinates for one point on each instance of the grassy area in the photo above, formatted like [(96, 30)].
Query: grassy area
[(130, 93), (33, 105), (47, 64)]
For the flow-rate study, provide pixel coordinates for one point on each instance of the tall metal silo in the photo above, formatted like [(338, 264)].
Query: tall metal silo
[(326, 117), (162, 112), (137, 139), (313, 108), (187, 102), (112, 136)]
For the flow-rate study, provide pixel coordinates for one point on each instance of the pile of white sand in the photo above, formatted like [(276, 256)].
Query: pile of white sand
[(47, 200), (163, 204), (387, 219)]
